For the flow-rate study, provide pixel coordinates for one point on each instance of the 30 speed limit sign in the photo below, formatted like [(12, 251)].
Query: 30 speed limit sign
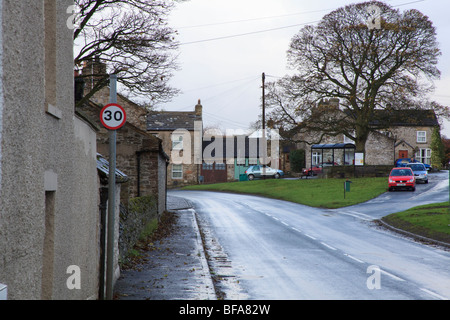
[(113, 116)]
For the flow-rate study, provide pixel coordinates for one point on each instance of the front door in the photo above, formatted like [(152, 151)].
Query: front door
[(402, 154)]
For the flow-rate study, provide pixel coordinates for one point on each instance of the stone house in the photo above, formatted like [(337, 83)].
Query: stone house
[(140, 155), (49, 221), (411, 131), (181, 135), (407, 135)]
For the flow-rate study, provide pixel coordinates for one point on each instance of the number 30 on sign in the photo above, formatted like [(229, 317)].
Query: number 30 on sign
[(113, 116)]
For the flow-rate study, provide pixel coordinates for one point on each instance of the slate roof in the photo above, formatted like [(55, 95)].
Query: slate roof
[(103, 171), (406, 118), (171, 120)]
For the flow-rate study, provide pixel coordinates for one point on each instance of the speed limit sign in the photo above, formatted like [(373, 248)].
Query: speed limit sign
[(113, 116)]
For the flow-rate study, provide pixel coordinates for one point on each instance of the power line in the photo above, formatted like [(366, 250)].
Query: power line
[(268, 30), (248, 33), (274, 17), (252, 19)]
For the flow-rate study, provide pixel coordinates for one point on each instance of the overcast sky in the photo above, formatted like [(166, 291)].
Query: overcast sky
[(226, 45)]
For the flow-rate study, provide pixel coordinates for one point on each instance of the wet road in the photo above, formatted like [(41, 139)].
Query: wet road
[(281, 250)]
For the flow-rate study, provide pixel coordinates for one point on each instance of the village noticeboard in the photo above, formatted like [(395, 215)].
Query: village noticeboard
[(359, 159)]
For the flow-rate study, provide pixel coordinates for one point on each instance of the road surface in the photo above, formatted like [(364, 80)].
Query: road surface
[(270, 249)]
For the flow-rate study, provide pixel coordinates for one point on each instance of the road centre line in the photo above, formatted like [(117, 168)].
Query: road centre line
[(391, 275), (328, 246), (431, 293), (351, 257), (311, 237)]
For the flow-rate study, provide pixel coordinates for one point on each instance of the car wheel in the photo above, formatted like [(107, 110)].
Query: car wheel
[(277, 176), (390, 189), (413, 189), (426, 181), (310, 173), (251, 177)]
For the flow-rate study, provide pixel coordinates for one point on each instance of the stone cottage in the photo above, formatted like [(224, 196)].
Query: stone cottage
[(181, 135), (407, 134), (140, 155)]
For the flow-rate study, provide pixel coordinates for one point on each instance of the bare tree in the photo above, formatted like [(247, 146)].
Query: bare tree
[(132, 38), (344, 58)]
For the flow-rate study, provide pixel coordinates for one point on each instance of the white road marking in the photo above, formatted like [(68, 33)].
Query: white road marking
[(391, 275), (351, 257), (358, 215), (431, 293), (328, 246)]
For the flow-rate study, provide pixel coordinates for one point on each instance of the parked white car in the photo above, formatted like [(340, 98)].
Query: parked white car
[(258, 171)]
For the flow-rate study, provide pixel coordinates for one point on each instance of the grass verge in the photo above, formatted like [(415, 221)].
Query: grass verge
[(323, 193), (431, 221)]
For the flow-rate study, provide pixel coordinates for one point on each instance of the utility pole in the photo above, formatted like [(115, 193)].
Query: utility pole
[(263, 101), (264, 143), (111, 197)]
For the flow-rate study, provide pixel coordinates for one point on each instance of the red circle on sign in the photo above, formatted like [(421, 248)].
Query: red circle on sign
[(113, 116)]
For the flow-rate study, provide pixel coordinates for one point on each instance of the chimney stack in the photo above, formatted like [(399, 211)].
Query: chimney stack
[(199, 108)]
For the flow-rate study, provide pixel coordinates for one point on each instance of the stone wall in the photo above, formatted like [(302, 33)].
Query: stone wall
[(133, 219), (357, 171)]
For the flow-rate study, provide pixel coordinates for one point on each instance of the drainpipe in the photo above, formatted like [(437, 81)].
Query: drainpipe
[(138, 154), (103, 212)]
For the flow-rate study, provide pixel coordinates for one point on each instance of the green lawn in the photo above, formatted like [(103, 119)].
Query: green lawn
[(324, 193), (431, 221)]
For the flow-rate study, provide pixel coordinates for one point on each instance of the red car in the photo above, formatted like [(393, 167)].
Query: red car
[(402, 178), (316, 169)]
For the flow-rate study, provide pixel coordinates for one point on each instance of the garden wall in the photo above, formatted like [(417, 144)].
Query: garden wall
[(133, 220), (357, 171)]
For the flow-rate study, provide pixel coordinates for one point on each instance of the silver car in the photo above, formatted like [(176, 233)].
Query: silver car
[(258, 171), (420, 172)]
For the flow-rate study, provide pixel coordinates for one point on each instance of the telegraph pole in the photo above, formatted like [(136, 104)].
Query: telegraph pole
[(111, 198), (263, 101), (264, 143)]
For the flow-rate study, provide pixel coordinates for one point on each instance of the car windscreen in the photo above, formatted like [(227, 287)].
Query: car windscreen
[(400, 172), (417, 167)]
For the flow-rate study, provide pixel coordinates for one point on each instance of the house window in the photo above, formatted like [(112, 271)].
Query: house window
[(177, 142), (316, 158), (220, 166), (207, 166), (424, 155), (421, 136), (240, 161), (177, 171)]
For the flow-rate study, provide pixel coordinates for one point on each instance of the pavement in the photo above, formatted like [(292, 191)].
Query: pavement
[(175, 267)]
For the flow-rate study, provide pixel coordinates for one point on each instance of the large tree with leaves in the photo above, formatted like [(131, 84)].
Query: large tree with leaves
[(133, 39), (389, 67)]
